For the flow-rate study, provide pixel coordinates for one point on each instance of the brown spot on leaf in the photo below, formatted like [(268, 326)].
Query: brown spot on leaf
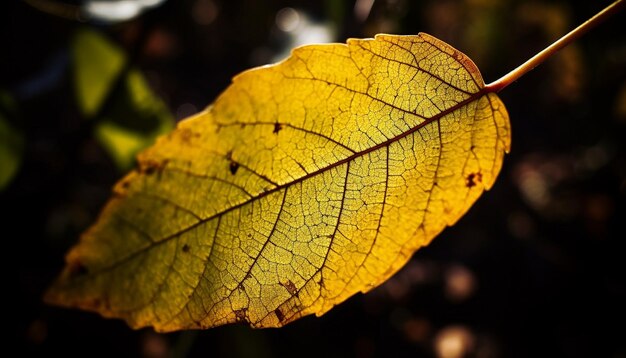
[(279, 314), (241, 314), (466, 62), (472, 179), (148, 170), (290, 287), (76, 268), (150, 167), (233, 166), (277, 128), (95, 303), (185, 135), (185, 248)]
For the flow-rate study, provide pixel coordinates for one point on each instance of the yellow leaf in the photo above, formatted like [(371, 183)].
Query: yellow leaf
[(304, 183)]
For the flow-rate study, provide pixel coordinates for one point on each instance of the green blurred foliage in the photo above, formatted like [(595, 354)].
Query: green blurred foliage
[(134, 117), (11, 142), (97, 62)]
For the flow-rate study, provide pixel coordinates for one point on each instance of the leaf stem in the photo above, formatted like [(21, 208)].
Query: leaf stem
[(536, 60)]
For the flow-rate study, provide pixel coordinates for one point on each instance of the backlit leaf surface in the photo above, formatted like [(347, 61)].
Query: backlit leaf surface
[(304, 183)]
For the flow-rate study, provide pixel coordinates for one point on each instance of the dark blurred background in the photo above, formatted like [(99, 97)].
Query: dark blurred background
[(532, 270)]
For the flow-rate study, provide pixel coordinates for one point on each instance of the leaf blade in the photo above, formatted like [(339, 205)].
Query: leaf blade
[(324, 174)]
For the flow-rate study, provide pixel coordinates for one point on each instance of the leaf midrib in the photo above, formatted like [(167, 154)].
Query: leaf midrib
[(473, 97)]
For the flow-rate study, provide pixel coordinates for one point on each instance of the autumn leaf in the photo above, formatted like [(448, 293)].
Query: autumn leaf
[(304, 183)]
